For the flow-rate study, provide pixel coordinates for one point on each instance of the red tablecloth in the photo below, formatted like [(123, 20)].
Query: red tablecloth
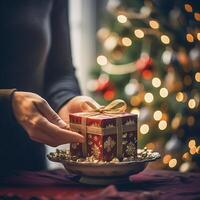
[(148, 185)]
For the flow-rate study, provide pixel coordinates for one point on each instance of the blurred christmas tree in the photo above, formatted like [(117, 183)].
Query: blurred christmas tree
[(149, 55)]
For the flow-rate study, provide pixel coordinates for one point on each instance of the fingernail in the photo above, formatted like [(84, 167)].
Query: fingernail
[(62, 124)]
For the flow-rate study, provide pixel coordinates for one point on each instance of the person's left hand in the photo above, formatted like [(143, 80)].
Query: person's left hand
[(76, 104)]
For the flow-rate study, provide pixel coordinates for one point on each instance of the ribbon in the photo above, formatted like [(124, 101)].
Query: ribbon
[(115, 107)]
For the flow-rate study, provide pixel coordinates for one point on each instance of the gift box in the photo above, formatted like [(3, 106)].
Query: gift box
[(109, 131)]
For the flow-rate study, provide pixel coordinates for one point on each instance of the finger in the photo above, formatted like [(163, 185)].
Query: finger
[(44, 108), (62, 136)]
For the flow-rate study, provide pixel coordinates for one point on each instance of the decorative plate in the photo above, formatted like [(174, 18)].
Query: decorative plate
[(95, 172)]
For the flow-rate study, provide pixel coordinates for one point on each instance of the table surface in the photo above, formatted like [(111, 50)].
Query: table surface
[(147, 185)]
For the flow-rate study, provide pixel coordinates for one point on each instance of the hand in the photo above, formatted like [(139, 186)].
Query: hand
[(40, 121), (76, 104)]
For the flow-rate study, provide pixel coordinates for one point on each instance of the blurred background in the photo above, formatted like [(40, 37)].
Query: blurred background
[(146, 52)]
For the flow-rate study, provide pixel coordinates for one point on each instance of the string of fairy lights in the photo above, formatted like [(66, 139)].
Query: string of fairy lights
[(160, 116)]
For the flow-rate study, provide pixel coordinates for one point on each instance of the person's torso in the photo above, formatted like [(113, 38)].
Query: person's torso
[(25, 41)]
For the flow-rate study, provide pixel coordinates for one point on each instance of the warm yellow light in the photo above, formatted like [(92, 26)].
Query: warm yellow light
[(162, 125), (157, 115), (198, 150), (191, 144), (165, 39), (111, 42), (191, 103), (198, 36), (102, 60), (190, 121), (135, 111), (176, 121), (156, 82), (150, 146), (184, 167), (144, 129), (189, 37), (188, 7), (167, 158), (136, 100), (153, 24), (126, 41), (186, 156), (197, 76), (172, 163), (139, 33), (163, 92), (122, 19), (148, 97), (193, 150), (197, 16), (179, 97)]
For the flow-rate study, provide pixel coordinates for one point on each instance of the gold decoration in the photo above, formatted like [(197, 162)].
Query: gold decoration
[(95, 151), (130, 149), (109, 144)]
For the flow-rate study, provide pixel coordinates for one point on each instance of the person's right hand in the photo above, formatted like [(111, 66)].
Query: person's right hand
[(40, 121)]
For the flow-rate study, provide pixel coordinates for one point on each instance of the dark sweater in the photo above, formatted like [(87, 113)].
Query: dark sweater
[(35, 56)]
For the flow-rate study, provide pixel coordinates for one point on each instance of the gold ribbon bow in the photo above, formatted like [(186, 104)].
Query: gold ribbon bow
[(116, 106)]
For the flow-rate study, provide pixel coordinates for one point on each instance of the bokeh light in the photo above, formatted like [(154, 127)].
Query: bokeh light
[(153, 24), (172, 163), (139, 33), (144, 129), (163, 92), (102, 60), (189, 37), (122, 19), (191, 103), (167, 158), (126, 41), (162, 125), (148, 97), (188, 8), (165, 39), (197, 76), (157, 115), (156, 82)]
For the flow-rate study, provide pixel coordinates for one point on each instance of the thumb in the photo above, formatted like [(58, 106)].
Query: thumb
[(44, 108)]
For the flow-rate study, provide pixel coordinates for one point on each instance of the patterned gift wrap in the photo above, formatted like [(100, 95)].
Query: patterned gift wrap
[(107, 136)]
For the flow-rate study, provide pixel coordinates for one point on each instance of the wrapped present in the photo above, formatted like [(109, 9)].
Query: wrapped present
[(110, 132)]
